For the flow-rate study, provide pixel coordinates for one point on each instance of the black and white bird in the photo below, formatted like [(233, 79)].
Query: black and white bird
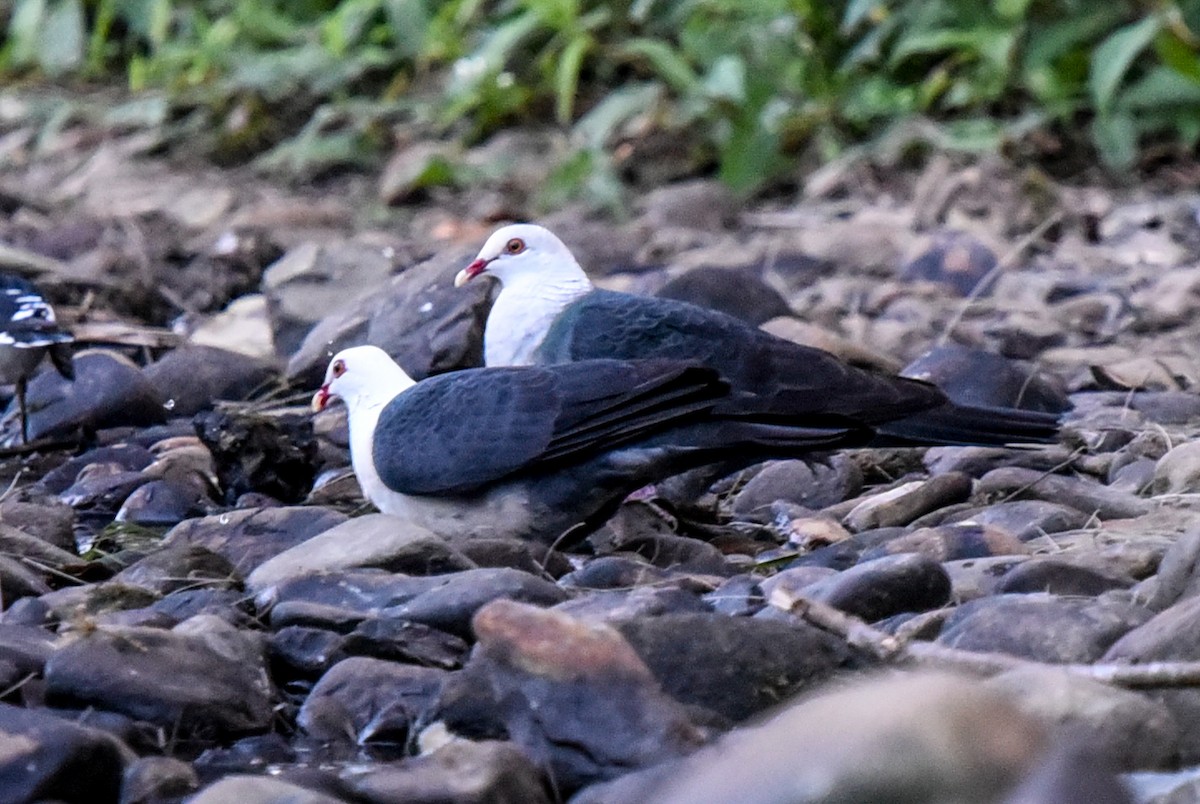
[(534, 451), (548, 312), (28, 331)]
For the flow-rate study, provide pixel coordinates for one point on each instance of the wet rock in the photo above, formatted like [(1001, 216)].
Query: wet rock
[(734, 667), (738, 292), (576, 697), (248, 537), (813, 751), (180, 566), (108, 391), (37, 553), (905, 503), (487, 772), (811, 484), (975, 377), (1059, 577), (191, 378), (885, 586), (26, 648), (1125, 728), (374, 540), (1135, 477), (203, 678), (409, 642), (1024, 519), (259, 790), (366, 700), (1178, 572), (52, 522), (45, 758), (152, 780), (452, 601), (951, 543), (1083, 495), (273, 455), (82, 602), (416, 168), (311, 281), (100, 489), (957, 260), (640, 528), (794, 581), (305, 651), (243, 327), (1042, 627), (978, 461)]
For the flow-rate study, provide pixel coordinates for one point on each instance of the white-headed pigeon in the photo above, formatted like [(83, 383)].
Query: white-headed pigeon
[(548, 313), (534, 451), (28, 330)]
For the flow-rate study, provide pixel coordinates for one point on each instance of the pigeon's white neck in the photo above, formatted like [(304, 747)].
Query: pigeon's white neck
[(363, 411), (526, 307)]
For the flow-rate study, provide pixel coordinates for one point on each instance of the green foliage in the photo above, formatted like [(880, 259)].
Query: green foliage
[(748, 87)]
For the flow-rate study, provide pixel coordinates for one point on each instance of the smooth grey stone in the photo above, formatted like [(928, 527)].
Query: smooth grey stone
[(574, 695), (485, 772), (452, 600), (885, 586), (985, 379), (1126, 729), (734, 666), (52, 522), (1046, 628), (813, 484), (373, 540), (902, 507), (45, 758), (409, 642), (180, 566), (1059, 577), (895, 738), (192, 377), (1179, 571), (248, 537), (1025, 519), (617, 605), (130, 457), (201, 678), (108, 391), (306, 651), (152, 780), (259, 790), (366, 700), (1084, 495), (1170, 635)]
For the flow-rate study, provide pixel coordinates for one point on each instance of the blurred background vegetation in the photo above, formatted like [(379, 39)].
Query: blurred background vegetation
[(751, 89)]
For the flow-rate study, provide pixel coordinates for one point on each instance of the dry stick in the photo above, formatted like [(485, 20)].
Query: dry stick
[(887, 648), (1001, 264)]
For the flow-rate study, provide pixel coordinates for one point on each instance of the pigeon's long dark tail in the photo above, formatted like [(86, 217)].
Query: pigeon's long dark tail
[(963, 425)]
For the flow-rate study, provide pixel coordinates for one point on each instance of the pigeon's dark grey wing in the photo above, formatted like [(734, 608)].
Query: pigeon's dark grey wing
[(787, 377), (26, 319), (456, 433)]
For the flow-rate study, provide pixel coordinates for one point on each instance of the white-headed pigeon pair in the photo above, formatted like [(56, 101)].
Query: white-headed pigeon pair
[(628, 390)]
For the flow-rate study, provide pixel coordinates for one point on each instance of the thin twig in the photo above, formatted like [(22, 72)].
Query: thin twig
[(888, 648)]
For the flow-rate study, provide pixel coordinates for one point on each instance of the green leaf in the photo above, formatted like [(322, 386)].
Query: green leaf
[(1010, 9), (665, 61), (566, 76), (596, 127), (1116, 139), (856, 12), (410, 25), (1178, 55), (1113, 58)]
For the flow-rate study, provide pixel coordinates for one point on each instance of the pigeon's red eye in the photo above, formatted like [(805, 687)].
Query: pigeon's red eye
[(339, 368), (515, 246)]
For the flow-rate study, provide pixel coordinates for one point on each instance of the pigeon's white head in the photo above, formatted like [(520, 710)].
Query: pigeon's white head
[(521, 251), (361, 375)]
